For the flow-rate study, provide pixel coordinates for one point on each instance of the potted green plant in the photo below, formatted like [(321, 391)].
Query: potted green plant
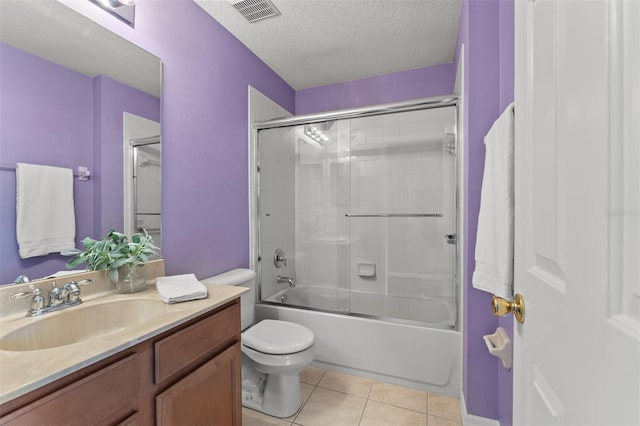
[(119, 256)]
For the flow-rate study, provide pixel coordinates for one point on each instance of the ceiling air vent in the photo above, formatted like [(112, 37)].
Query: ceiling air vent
[(255, 10)]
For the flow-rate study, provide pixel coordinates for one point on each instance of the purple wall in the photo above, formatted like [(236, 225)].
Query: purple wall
[(400, 86), (486, 30), (52, 115), (207, 71)]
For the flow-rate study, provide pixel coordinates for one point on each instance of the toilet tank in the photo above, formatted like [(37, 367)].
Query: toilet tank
[(243, 278)]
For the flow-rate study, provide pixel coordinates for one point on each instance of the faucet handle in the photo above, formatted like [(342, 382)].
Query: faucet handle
[(34, 292), (73, 291), (279, 259), (75, 284), (37, 304), (73, 288)]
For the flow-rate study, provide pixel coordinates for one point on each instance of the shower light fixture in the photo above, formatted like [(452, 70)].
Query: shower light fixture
[(121, 9), (314, 133)]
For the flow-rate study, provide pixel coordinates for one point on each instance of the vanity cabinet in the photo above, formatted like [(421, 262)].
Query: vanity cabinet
[(189, 375), (205, 397), (209, 395), (103, 397)]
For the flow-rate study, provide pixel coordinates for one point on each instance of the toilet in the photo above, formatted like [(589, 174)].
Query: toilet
[(273, 353)]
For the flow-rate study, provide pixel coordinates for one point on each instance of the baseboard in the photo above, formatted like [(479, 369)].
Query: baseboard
[(470, 419)]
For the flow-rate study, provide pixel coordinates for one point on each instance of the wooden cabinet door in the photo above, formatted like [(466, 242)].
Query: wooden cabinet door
[(209, 396), (99, 399)]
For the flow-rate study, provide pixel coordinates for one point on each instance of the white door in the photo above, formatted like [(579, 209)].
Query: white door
[(577, 355)]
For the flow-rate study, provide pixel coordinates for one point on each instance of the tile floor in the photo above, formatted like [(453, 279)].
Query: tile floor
[(337, 399)]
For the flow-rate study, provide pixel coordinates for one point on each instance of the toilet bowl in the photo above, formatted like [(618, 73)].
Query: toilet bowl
[(273, 353)]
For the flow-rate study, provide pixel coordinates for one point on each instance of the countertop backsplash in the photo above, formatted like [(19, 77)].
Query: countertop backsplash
[(151, 270)]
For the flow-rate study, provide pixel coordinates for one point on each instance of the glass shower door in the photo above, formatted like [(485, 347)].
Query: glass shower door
[(299, 203), (147, 173), (402, 207), (361, 209)]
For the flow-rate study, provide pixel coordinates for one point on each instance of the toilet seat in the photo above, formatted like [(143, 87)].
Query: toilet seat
[(277, 337)]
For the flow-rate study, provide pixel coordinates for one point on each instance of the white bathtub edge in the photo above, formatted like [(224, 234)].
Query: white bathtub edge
[(429, 359)]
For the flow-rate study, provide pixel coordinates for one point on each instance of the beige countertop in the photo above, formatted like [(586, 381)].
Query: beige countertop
[(24, 371)]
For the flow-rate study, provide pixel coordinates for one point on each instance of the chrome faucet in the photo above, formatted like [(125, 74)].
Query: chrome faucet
[(59, 298), (56, 296), (289, 280)]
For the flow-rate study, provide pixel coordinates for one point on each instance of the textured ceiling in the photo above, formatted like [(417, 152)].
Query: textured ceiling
[(53, 31), (319, 42)]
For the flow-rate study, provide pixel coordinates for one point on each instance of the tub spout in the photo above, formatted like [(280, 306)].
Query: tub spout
[(289, 280)]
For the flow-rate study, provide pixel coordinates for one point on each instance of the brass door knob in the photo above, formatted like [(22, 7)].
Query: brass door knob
[(502, 307)]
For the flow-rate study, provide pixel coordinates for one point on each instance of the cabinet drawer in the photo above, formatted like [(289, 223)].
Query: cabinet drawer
[(99, 399), (204, 338)]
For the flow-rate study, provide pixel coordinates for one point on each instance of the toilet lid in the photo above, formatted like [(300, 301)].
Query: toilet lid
[(278, 337)]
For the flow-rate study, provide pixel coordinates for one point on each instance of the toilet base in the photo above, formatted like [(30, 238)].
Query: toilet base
[(278, 395)]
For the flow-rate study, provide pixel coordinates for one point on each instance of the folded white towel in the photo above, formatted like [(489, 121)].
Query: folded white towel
[(180, 288), (494, 244), (45, 215)]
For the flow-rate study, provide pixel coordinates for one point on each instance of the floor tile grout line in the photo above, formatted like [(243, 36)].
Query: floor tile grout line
[(367, 399), (342, 392), (315, 386), (304, 403), (445, 418), (363, 410)]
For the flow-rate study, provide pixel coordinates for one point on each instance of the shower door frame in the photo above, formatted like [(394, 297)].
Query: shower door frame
[(134, 144), (368, 111)]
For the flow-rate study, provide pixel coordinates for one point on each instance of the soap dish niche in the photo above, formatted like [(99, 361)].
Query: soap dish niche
[(366, 269)]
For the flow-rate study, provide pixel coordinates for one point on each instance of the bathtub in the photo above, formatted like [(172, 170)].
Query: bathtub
[(438, 312), (419, 356)]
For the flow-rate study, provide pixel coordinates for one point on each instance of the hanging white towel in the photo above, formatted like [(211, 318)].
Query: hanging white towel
[(494, 244), (180, 288), (45, 214)]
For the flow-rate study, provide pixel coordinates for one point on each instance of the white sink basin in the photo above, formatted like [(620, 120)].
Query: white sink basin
[(82, 323)]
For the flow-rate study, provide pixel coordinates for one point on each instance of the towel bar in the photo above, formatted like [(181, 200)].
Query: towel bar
[(83, 173), (393, 215)]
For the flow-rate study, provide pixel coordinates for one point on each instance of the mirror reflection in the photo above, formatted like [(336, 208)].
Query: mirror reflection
[(76, 95)]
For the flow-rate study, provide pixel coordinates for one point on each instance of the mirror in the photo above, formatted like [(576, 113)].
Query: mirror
[(67, 84)]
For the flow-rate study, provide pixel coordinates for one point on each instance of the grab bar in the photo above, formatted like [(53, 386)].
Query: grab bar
[(393, 214)]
